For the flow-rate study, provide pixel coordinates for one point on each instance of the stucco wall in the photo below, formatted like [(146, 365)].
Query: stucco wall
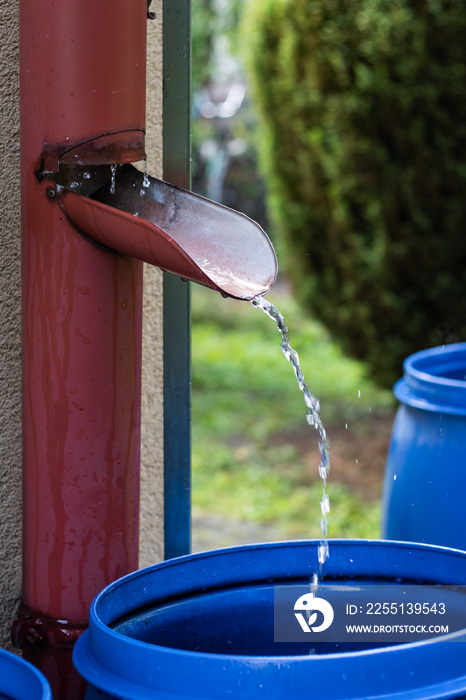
[(151, 518), (10, 322), (10, 332)]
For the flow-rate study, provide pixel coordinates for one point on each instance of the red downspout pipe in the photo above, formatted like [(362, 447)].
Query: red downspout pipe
[(82, 102), (82, 112)]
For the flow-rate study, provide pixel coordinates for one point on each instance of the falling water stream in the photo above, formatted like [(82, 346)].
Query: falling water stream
[(312, 417), (312, 404)]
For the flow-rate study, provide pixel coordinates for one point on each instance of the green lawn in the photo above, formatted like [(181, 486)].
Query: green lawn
[(247, 408)]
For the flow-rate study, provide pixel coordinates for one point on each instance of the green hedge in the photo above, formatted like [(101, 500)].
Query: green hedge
[(362, 140)]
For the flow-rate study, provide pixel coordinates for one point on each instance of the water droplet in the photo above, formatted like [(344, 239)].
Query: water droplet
[(145, 180), (324, 527), (87, 176), (323, 472), (325, 504), (113, 169), (74, 185), (322, 552)]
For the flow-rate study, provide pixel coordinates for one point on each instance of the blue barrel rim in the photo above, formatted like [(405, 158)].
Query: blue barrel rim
[(15, 672), (425, 384), (449, 648)]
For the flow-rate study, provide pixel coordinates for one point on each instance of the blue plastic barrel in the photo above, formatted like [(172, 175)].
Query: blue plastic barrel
[(425, 478), (201, 626), (19, 680)]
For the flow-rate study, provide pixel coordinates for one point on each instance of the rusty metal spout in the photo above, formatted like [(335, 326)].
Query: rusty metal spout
[(174, 229)]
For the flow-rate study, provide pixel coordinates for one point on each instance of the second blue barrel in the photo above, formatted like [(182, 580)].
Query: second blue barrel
[(19, 680), (425, 478)]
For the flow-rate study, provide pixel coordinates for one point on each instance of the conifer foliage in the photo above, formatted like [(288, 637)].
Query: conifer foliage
[(362, 142)]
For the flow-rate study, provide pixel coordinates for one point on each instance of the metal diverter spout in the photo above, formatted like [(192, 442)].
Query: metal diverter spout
[(175, 230)]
